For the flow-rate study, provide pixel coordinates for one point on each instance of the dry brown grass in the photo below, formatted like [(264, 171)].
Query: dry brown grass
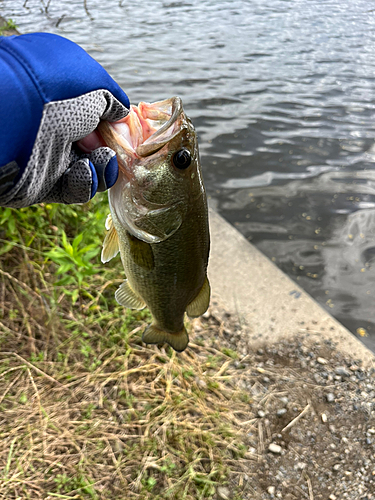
[(88, 411)]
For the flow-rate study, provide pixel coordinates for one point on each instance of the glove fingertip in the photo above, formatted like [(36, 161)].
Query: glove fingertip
[(94, 180), (111, 172)]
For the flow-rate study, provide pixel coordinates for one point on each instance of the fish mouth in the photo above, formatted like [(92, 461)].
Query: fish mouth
[(177, 109), (144, 131), (163, 135)]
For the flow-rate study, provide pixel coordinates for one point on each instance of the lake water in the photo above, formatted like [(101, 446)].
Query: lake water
[(282, 94)]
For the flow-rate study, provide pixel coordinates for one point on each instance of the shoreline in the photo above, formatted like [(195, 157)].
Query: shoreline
[(261, 295), (267, 302), (273, 399), (7, 32)]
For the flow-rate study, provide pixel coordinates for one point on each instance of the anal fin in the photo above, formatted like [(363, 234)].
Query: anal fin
[(126, 296), (199, 305), (178, 341), (110, 244)]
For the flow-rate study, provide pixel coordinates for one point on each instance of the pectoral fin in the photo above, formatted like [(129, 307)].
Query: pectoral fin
[(109, 222), (141, 252), (126, 296), (110, 244), (178, 341), (200, 304)]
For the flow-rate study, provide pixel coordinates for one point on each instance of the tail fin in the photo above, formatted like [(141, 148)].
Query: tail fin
[(178, 341)]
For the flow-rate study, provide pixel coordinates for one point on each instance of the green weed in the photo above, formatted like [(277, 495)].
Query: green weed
[(75, 263), (75, 484), (117, 419), (230, 353), (10, 25)]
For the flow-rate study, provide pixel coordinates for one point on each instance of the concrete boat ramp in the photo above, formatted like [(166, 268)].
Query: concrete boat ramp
[(248, 285)]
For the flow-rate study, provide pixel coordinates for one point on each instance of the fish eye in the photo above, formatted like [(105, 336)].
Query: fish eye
[(182, 159)]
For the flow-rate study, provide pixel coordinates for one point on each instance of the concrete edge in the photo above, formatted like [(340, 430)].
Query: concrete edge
[(248, 285)]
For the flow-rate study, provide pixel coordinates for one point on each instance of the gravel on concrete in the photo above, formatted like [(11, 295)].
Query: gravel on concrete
[(312, 416)]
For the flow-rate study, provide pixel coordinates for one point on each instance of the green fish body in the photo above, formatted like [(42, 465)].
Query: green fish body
[(159, 218)]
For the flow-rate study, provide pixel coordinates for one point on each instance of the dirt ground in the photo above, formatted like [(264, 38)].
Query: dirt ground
[(312, 416)]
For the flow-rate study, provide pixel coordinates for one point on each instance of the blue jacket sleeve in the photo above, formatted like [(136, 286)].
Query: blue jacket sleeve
[(36, 69)]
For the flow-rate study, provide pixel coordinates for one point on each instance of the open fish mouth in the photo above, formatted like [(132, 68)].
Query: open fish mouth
[(144, 131)]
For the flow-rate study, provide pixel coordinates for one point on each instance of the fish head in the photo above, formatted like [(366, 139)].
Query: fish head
[(169, 167), (160, 174)]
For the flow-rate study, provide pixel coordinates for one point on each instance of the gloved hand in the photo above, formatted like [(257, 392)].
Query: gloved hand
[(52, 94)]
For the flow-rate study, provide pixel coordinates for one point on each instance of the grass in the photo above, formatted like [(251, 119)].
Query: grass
[(9, 25), (88, 411)]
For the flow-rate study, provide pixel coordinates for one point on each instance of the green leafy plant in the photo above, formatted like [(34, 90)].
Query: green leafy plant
[(10, 25), (79, 483), (82, 380), (75, 263), (149, 483), (168, 467)]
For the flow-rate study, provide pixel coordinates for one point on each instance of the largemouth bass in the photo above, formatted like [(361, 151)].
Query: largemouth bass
[(159, 219)]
